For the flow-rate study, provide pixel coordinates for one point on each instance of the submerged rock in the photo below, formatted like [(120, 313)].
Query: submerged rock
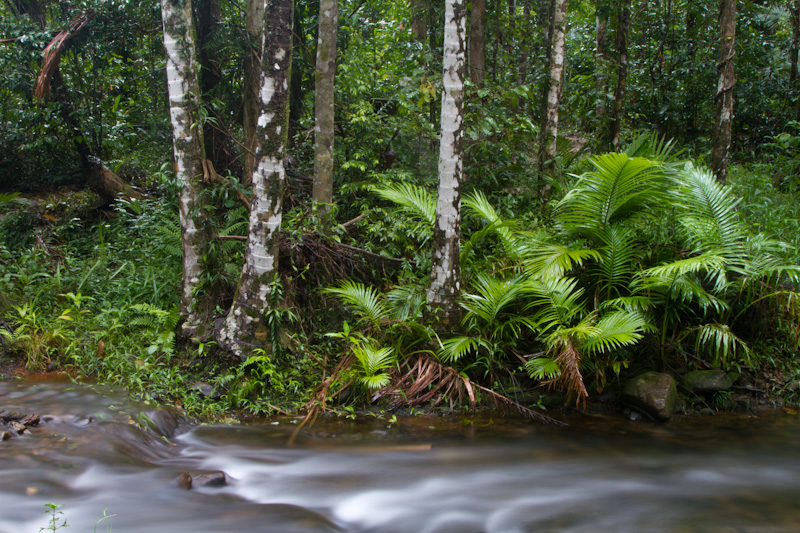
[(653, 393), (708, 380), (184, 481), (212, 479)]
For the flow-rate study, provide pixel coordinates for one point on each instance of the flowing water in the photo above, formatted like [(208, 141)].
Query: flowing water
[(95, 452)]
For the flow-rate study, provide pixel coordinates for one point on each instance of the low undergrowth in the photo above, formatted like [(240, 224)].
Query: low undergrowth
[(644, 262)]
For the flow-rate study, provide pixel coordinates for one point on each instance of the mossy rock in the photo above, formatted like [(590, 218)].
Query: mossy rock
[(706, 381), (653, 393)]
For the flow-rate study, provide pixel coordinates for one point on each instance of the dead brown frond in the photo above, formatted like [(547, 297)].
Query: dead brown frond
[(429, 382), (571, 379), (52, 54)]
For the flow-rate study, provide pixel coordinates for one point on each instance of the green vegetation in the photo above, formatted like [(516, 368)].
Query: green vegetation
[(610, 262)]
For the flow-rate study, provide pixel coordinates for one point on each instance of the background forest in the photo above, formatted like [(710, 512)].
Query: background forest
[(628, 173)]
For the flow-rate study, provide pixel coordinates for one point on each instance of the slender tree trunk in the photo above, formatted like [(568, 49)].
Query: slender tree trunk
[(549, 127), (214, 141), (245, 328), (621, 46), (601, 64), (419, 20), (477, 42), (691, 57), (445, 282), (322, 192), (254, 26), (723, 122), (794, 55), (184, 97)]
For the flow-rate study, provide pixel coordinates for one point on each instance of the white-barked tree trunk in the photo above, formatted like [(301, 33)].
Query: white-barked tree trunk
[(445, 284), (184, 101), (245, 327)]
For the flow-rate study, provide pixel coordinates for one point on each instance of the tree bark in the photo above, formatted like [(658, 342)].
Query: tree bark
[(322, 191), (445, 284), (419, 19), (726, 74), (601, 61), (794, 55), (549, 126), (184, 97), (245, 328), (477, 42), (621, 49), (254, 27)]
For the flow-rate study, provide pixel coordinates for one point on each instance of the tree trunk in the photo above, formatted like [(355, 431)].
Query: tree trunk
[(794, 55), (254, 26), (549, 126), (245, 327), (184, 97), (419, 20), (723, 122), (691, 57), (601, 64), (621, 46), (322, 192), (445, 281), (477, 42)]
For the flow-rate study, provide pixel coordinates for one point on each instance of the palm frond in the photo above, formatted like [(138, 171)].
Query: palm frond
[(543, 368), (366, 301), (617, 263), (411, 198), (655, 147), (494, 296), (614, 330), (480, 205), (721, 343), (407, 302), (553, 260), (559, 303), (370, 361), (619, 188), (454, 348), (710, 218)]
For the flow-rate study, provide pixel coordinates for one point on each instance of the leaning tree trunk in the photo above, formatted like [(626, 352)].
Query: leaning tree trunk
[(322, 191), (477, 42), (621, 46), (184, 98), (723, 123), (254, 26), (245, 327), (549, 128), (445, 281)]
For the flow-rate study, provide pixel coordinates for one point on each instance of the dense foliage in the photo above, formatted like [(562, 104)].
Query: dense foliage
[(638, 258)]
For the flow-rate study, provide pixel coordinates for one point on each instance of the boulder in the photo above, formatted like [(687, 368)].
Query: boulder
[(708, 380), (212, 479), (653, 393)]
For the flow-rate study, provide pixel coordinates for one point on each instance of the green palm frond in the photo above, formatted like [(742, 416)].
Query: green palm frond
[(407, 302), (479, 205), (553, 260), (543, 368), (710, 218), (370, 362), (619, 188), (617, 264), (655, 147), (639, 304), (454, 348), (559, 303), (411, 198), (7, 196), (614, 330), (721, 343), (366, 301), (494, 296)]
